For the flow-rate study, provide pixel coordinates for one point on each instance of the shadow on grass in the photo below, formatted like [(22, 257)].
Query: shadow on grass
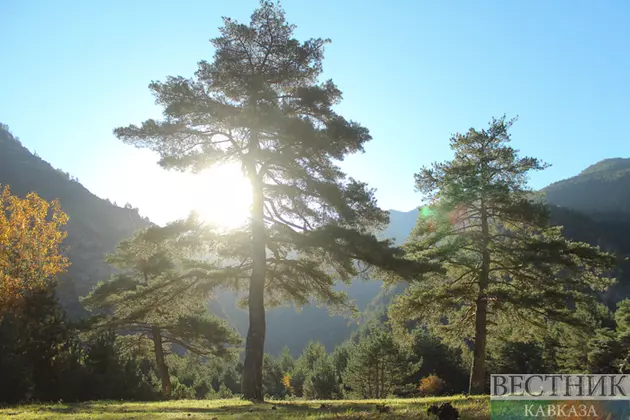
[(268, 407), (473, 407)]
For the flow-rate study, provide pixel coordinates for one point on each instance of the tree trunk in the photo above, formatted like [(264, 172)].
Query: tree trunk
[(159, 360), (377, 393), (478, 372), (255, 344)]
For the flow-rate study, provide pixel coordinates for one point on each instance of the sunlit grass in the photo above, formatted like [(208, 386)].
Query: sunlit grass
[(470, 408)]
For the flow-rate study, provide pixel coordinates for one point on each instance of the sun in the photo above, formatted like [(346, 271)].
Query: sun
[(224, 196)]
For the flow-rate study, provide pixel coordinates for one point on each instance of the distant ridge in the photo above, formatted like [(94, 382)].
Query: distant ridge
[(95, 225), (602, 190)]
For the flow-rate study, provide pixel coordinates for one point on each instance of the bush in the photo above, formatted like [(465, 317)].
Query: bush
[(286, 383), (431, 385), (180, 391), (225, 392)]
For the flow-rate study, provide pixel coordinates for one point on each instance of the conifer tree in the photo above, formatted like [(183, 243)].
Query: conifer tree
[(321, 383), (622, 320), (504, 263), (272, 377), (160, 293), (604, 352), (377, 364), (304, 364), (36, 350), (287, 362), (259, 104), (339, 358)]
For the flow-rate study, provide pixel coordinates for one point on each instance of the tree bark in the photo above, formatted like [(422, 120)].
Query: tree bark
[(251, 384), (377, 393), (478, 371), (159, 360)]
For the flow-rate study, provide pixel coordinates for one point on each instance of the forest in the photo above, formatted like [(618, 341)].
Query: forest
[(495, 277)]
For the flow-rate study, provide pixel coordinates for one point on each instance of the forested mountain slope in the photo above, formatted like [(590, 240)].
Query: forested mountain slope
[(95, 225), (602, 190), (594, 207)]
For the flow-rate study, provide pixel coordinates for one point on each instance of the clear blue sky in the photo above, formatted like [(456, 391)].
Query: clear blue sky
[(412, 71)]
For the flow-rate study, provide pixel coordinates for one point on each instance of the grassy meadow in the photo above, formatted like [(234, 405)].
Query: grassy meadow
[(232, 409)]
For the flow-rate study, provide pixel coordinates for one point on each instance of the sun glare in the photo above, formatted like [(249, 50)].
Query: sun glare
[(224, 196)]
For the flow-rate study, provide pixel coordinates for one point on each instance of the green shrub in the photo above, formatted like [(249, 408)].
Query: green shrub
[(181, 391), (225, 392)]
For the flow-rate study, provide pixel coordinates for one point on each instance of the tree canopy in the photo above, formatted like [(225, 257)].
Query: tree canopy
[(504, 263), (260, 104), (161, 293), (31, 255)]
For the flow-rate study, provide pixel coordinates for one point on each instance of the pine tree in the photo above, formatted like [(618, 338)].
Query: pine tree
[(566, 345), (517, 357), (377, 364), (286, 360), (339, 358), (36, 350), (321, 383), (160, 293), (304, 365), (504, 263), (439, 359), (259, 104), (622, 320), (604, 352), (313, 351), (272, 377)]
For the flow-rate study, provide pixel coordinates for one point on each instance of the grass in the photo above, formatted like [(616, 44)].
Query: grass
[(471, 408)]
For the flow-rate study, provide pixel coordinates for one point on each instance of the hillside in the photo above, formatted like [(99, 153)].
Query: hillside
[(594, 207), (602, 190), (95, 225)]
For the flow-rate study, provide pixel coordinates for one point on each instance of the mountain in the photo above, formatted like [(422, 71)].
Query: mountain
[(94, 227), (601, 191), (594, 207)]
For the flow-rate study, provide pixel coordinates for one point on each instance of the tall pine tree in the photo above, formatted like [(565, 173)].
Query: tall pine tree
[(259, 104), (504, 263)]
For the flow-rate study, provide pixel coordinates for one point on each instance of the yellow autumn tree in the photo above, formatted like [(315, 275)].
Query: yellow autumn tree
[(30, 246)]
